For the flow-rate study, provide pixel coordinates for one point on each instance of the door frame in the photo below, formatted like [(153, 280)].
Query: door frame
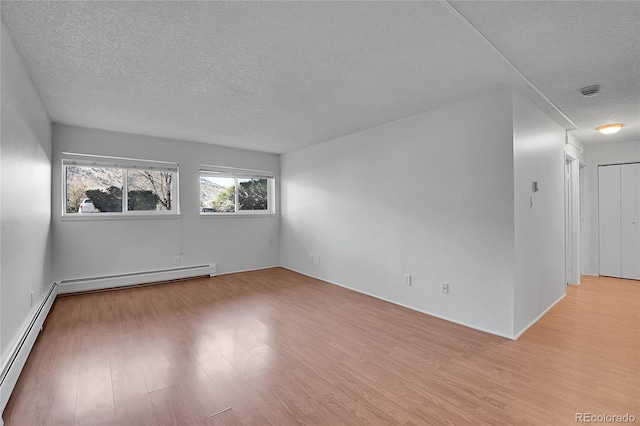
[(572, 220)]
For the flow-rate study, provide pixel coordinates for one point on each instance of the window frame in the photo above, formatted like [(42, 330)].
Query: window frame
[(239, 174), (123, 164)]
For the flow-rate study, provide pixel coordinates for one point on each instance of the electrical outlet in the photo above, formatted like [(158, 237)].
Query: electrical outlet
[(31, 298), (176, 260), (445, 288), (406, 279)]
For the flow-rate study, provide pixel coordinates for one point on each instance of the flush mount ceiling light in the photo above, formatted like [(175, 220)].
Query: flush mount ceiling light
[(609, 129)]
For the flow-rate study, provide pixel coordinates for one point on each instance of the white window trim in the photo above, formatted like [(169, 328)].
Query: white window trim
[(85, 160), (117, 216), (236, 174)]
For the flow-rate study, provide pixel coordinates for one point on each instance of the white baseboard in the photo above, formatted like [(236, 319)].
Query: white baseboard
[(245, 270), (521, 332), (17, 356), (123, 280), (475, 327)]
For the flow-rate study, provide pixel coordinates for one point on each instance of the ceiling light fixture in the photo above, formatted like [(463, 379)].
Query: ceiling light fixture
[(609, 129)]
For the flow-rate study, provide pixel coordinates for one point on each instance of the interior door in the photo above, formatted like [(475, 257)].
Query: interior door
[(610, 226), (630, 194)]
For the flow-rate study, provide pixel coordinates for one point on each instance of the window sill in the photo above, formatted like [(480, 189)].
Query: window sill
[(236, 215), (116, 216)]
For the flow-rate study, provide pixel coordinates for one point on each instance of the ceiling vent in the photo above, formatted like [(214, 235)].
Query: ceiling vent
[(590, 91)]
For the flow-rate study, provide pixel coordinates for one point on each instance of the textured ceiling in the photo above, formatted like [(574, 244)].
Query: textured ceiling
[(562, 46), (280, 76)]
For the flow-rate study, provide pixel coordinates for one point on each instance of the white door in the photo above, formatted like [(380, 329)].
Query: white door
[(630, 198), (610, 226)]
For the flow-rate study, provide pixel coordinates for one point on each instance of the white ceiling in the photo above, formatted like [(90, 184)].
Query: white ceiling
[(562, 46), (276, 77)]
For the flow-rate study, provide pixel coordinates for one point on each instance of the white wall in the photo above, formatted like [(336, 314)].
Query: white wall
[(430, 195), (539, 155), (25, 206), (101, 247), (625, 152)]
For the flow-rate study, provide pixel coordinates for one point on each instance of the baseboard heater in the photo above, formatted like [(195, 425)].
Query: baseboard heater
[(135, 278), (17, 356)]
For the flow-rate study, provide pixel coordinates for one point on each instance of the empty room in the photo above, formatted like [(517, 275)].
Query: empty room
[(319, 213)]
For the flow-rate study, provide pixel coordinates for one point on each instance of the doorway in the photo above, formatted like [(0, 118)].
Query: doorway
[(572, 220)]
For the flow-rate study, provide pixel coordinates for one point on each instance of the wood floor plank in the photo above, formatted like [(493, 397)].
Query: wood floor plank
[(171, 407), (132, 402), (275, 347)]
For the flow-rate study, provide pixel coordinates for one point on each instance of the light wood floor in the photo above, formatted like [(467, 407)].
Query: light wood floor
[(275, 347)]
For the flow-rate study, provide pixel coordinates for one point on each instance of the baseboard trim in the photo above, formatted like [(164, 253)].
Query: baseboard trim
[(17, 356), (247, 270), (539, 317), (462, 323), (136, 278)]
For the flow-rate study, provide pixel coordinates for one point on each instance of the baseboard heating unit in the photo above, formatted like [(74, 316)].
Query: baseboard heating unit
[(136, 278), (17, 356)]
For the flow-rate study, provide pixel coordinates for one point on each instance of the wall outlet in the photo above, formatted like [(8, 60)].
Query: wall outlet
[(176, 260), (445, 288), (31, 298), (406, 279)]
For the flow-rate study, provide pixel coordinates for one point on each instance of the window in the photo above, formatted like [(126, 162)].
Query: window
[(225, 190), (95, 184)]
